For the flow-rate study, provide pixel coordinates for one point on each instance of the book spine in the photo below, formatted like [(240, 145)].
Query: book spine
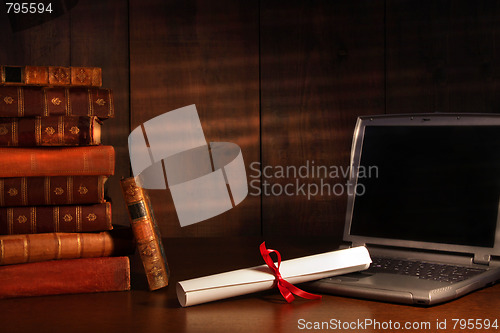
[(44, 219), (33, 101), (57, 161), (51, 76), (146, 233), (18, 249), (56, 190), (49, 131), (71, 276)]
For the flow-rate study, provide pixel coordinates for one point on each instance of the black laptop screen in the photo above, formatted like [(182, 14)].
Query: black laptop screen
[(436, 184)]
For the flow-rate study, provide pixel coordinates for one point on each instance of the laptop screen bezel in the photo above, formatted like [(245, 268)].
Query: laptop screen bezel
[(413, 120)]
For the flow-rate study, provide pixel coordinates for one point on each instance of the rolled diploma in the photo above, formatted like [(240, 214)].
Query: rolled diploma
[(259, 278)]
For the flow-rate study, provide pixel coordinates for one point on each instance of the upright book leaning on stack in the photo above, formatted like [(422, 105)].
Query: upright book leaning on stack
[(55, 224)]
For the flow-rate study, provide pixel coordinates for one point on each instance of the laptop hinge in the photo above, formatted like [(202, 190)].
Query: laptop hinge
[(349, 245), (482, 259)]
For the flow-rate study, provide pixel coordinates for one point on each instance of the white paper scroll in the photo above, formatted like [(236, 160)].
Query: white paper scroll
[(259, 278), (204, 180)]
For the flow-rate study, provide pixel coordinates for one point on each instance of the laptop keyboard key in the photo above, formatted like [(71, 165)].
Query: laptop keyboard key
[(423, 270)]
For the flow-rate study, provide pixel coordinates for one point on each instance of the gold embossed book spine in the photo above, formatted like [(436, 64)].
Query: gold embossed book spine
[(50, 131), (56, 231), (44, 219), (50, 76), (20, 249), (146, 233), (51, 190), (32, 101)]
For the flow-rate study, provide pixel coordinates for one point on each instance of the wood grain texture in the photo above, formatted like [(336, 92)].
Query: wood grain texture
[(99, 37), (285, 78), (442, 56), (322, 65), (203, 53), (143, 311), (43, 45)]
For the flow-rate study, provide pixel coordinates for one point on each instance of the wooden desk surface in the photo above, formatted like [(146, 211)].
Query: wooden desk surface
[(142, 311)]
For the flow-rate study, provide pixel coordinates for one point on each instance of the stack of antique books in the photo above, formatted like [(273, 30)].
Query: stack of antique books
[(55, 224)]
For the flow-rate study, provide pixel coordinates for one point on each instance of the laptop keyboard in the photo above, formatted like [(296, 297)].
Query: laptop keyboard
[(423, 270)]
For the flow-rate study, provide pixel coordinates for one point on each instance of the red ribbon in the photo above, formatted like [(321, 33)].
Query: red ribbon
[(286, 288)]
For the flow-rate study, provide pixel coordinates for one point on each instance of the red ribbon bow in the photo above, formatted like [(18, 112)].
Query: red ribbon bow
[(286, 288)]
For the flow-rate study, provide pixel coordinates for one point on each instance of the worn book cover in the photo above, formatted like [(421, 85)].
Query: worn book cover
[(147, 234), (57, 161), (52, 190), (31, 101), (64, 218), (50, 131), (51, 76), (17, 249), (71, 276)]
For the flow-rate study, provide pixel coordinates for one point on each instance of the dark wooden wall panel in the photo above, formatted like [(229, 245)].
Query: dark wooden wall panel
[(203, 53), (442, 56), (285, 80), (45, 44), (99, 37), (322, 65)]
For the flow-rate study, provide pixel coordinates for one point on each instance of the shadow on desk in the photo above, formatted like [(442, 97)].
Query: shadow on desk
[(140, 310)]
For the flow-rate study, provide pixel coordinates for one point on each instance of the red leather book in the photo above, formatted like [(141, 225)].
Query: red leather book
[(67, 218), (51, 76), (30, 101), (18, 249), (57, 161), (72, 276), (50, 131), (55, 190)]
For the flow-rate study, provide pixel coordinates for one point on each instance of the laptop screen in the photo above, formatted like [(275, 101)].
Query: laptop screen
[(433, 183)]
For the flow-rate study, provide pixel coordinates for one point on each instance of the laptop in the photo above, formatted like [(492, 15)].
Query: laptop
[(423, 198)]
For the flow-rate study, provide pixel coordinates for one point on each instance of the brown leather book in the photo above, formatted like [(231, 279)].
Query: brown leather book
[(67, 218), (18, 249), (71, 276), (146, 233), (57, 161), (50, 131), (51, 76), (55, 190), (31, 101)]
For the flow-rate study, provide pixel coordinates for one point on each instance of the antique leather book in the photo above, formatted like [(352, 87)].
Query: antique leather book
[(51, 190), (146, 233), (50, 131), (30, 101), (66, 218), (51, 76), (57, 161), (70, 276), (17, 249)]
